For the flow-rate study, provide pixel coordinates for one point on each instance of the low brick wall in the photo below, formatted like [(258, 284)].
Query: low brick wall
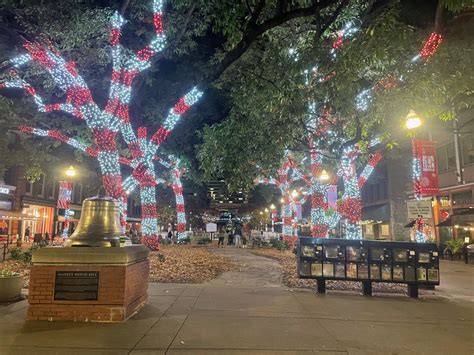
[(122, 292)]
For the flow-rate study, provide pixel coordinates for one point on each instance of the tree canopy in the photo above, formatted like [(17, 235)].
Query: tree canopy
[(255, 103), (269, 112)]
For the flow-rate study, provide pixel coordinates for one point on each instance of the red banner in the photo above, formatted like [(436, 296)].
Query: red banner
[(65, 194), (425, 152)]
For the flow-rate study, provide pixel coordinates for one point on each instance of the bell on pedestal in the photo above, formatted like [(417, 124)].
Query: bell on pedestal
[(99, 225)]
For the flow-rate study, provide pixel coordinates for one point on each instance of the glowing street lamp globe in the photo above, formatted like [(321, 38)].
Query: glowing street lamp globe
[(71, 172), (324, 176), (412, 120)]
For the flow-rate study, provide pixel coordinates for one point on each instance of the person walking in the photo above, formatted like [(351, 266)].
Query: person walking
[(238, 236), (46, 238), (221, 236), (26, 237), (230, 240)]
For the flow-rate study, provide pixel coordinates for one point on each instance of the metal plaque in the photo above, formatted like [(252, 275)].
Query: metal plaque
[(76, 286)]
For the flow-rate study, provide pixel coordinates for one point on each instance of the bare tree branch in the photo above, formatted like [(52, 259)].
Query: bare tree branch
[(252, 33)]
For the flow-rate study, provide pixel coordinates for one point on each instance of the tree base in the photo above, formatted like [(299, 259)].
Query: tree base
[(152, 242)]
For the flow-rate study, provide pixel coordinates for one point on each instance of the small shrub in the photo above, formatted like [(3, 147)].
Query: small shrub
[(161, 258), (8, 273), (165, 241), (279, 244), (455, 245), (25, 256), (15, 254)]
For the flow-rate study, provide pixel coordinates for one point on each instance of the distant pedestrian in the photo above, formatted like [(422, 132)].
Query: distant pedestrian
[(221, 237), (46, 238), (170, 235), (238, 236), (230, 240), (27, 234)]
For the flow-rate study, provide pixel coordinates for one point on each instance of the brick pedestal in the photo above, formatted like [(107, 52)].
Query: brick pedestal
[(122, 287)]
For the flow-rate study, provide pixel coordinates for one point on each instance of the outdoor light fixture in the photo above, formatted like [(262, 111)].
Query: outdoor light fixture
[(71, 172), (282, 200), (266, 210), (294, 194), (412, 120), (272, 206), (324, 176)]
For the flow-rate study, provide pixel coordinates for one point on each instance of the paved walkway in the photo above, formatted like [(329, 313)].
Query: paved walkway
[(249, 311)]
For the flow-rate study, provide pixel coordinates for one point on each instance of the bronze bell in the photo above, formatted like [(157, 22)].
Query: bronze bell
[(99, 225)]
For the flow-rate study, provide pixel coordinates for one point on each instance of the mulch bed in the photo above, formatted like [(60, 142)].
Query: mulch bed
[(186, 264), (173, 263), (290, 277)]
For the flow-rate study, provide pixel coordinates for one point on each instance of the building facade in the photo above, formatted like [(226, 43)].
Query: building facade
[(388, 190)]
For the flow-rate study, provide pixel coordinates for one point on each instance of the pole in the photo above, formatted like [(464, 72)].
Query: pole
[(274, 211), (459, 174), (64, 202)]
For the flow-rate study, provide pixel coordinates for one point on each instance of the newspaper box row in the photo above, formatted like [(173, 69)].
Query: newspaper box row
[(366, 260)]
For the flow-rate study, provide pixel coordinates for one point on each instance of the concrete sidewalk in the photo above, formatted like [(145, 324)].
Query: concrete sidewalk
[(249, 311), (457, 281)]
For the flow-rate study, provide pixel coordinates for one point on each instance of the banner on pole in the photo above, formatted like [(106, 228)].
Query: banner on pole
[(425, 152), (298, 212), (65, 194), (332, 196)]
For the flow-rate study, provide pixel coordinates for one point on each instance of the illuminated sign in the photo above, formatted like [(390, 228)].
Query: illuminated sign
[(4, 190)]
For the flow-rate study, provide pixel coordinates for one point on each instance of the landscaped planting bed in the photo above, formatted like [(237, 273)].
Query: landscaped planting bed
[(290, 277)]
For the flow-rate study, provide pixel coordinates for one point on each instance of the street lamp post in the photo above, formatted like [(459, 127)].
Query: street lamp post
[(266, 224), (413, 121), (273, 209), (419, 157), (65, 197)]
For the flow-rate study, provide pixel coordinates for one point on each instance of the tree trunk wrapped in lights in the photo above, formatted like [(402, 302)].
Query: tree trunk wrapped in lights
[(286, 175), (106, 125)]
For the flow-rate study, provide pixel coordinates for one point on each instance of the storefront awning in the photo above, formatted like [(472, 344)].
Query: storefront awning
[(466, 218), (16, 215)]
